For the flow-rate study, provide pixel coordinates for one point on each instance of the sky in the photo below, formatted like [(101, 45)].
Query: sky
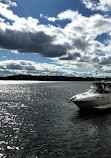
[(55, 37)]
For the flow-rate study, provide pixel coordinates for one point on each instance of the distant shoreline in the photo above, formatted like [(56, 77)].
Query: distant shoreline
[(51, 78)]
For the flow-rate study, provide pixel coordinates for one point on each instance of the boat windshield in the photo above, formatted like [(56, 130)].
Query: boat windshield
[(100, 88)]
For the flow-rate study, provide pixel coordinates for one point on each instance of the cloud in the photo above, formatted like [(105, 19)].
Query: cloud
[(87, 67), (29, 67), (89, 64), (78, 36), (10, 3), (106, 61), (24, 35), (74, 45), (13, 4), (71, 56), (52, 19), (102, 5), (18, 23), (25, 42), (66, 15), (6, 12)]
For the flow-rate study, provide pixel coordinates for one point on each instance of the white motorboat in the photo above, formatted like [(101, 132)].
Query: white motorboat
[(98, 97)]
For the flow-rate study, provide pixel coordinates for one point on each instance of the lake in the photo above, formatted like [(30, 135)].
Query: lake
[(38, 122)]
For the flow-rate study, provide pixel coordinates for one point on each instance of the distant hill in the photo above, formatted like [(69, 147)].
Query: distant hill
[(51, 78)]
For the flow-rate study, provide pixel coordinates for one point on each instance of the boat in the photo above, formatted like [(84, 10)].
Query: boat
[(98, 96)]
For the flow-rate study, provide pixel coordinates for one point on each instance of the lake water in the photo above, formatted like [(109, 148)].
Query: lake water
[(36, 121)]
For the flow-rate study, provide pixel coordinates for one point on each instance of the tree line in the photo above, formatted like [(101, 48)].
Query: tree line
[(51, 78)]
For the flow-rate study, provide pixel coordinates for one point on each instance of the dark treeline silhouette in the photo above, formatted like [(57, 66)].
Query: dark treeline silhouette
[(51, 78)]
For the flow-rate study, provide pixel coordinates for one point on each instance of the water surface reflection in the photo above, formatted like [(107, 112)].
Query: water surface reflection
[(38, 122), (94, 128)]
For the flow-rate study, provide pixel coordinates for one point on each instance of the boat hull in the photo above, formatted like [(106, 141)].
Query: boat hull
[(86, 104), (98, 97), (83, 105)]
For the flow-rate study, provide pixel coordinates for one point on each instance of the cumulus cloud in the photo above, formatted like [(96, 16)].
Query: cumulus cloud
[(103, 5), (8, 67), (73, 56), (6, 12), (66, 15), (25, 42), (25, 36), (78, 36), (52, 19), (29, 67), (76, 43), (10, 3), (69, 14)]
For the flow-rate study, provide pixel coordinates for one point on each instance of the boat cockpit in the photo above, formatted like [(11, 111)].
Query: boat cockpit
[(100, 87)]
